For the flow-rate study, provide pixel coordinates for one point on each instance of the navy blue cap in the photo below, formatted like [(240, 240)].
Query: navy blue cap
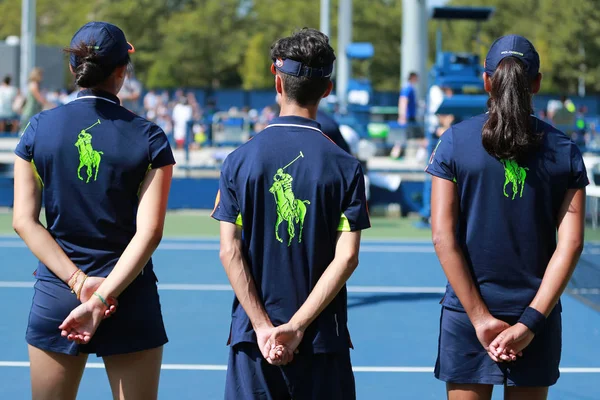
[(296, 68), (108, 40), (513, 46)]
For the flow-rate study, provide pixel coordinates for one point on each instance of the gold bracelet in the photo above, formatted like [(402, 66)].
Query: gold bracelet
[(74, 280), (81, 286)]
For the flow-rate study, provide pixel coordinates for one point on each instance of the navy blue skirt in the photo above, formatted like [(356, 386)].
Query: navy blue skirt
[(137, 325), (463, 360)]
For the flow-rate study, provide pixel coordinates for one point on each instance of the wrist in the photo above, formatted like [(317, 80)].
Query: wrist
[(533, 320), (479, 316), (262, 324), (97, 304), (298, 325)]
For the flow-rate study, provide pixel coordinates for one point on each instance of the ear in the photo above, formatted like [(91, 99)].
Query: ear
[(487, 83), (536, 84), (121, 71), (329, 89), (279, 84)]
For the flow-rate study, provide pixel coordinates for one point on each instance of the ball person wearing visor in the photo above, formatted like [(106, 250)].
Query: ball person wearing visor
[(291, 207)]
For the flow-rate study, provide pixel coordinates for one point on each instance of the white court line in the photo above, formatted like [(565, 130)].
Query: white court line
[(351, 288), (364, 248), (213, 367), (215, 246), (227, 288)]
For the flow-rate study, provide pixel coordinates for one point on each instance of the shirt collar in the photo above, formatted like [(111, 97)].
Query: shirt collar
[(99, 93), (295, 120)]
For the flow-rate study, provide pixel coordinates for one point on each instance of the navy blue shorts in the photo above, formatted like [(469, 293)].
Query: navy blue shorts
[(138, 315), (309, 376), (462, 359)]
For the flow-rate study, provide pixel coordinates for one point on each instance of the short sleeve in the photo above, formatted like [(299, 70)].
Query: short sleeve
[(406, 91), (226, 208), (24, 148), (160, 151), (355, 216), (441, 163), (578, 177)]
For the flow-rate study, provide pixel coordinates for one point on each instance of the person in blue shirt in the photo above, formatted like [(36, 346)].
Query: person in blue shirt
[(508, 208), (407, 111), (104, 175), (291, 206)]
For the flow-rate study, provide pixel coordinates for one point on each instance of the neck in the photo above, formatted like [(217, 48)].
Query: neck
[(295, 110)]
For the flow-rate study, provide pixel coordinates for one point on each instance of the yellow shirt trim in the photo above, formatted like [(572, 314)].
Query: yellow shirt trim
[(344, 225)]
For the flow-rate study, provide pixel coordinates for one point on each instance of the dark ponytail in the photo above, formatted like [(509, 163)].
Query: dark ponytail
[(508, 133), (90, 71)]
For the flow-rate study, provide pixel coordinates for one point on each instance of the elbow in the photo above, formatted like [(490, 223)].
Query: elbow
[(442, 239), (574, 246), (153, 237), (351, 260), (226, 254), (20, 225)]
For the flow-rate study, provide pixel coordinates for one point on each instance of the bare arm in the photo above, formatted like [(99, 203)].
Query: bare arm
[(26, 222), (331, 282), (444, 218), (570, 245), (238, 272), (34, 88), (152, 208), (402, 107), (557, 275)]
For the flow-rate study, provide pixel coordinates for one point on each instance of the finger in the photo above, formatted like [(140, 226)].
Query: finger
[(493, 357)]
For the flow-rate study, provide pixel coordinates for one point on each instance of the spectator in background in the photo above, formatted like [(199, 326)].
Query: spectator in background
[(151, 104), (8, 118), (130, 93), (407, 110), (183, 113), (564, 116), (34, 101)]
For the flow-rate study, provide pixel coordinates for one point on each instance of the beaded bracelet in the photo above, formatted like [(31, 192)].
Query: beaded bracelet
[(73, 279)]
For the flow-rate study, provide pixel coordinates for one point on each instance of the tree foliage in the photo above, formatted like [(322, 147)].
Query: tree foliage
[(212, 43)]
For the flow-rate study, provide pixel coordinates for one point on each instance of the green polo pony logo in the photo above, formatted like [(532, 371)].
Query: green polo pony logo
[(288, 207), (88, 157), (514, 175)]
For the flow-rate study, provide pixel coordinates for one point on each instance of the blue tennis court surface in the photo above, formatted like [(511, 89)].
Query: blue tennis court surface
[(394, 315)]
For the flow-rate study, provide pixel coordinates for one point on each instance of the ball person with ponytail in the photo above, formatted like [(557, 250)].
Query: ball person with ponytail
[(104, 174), (508, 205)]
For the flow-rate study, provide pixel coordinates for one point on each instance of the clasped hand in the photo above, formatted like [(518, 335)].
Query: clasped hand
[(278, 345), (502, 341), (81, 324)]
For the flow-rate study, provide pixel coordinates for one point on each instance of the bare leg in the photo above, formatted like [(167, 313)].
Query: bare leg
[(469, 391), (124, 372), (55, 376), (525, 393)]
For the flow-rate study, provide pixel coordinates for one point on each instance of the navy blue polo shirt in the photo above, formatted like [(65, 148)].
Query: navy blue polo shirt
[(508, 211), (292, 189), (92, 156)]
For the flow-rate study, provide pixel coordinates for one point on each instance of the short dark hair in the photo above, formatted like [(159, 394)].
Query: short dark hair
[(311, 48), (413, 75), (91, 72), (7, 79)]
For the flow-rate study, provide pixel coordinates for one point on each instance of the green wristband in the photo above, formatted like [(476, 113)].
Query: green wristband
[(102, 299)]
